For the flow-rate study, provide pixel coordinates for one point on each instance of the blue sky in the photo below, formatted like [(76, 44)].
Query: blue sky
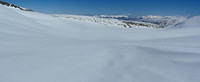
[(133, 7)]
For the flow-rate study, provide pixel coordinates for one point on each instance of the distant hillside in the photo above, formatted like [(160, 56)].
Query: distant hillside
[(108, 21), (128, 22)]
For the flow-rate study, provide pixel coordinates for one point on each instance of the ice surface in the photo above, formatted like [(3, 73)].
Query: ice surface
[(36, 47)]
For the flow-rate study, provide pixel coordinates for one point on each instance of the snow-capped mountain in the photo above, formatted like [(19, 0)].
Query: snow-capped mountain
[(129, 22), (160, 21), (113, 16), (14, 6), (108, 21)]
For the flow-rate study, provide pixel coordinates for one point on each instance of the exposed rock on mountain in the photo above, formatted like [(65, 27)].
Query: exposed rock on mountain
[(14, 6)]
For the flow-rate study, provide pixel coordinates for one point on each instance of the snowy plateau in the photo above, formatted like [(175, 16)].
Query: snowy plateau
[(37, 47)]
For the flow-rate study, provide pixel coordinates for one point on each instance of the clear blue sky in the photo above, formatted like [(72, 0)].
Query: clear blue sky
[(134, 7)]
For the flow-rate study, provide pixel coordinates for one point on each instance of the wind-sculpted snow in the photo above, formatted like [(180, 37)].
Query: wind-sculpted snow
[(36, 47)]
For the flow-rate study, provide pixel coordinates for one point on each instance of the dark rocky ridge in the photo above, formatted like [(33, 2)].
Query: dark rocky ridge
[(12, 5)]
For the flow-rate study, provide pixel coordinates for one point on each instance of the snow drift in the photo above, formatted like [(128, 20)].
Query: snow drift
[(36, 47)]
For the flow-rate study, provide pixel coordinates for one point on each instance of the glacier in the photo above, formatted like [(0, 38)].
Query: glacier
[(37, 47)]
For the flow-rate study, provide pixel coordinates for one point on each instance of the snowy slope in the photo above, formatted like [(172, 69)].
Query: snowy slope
[(36, 47)]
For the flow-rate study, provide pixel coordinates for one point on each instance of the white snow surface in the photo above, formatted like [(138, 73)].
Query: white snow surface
[(36, 47)]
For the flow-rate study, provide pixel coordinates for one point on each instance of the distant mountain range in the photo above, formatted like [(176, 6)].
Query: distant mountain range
[(127, 21), (160, 21)]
